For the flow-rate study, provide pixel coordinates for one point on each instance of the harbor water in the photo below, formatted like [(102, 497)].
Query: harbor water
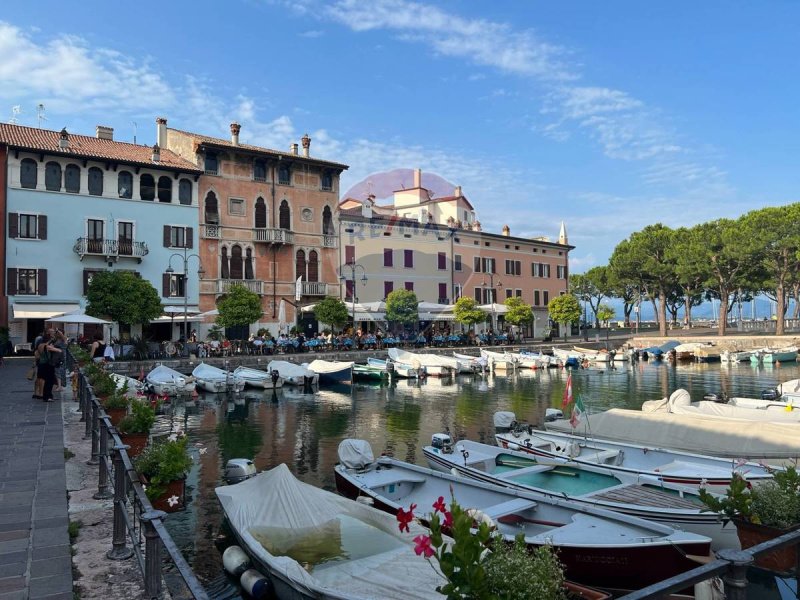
[(304, 430)]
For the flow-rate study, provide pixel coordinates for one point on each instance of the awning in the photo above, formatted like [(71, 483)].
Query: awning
[(426, 316), (20, 310), (177, 319)]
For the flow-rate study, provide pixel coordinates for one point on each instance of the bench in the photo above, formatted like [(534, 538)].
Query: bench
[(508, 507), (602, 457)]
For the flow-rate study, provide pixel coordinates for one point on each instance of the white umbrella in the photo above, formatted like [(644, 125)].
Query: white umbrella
[(499, 309), (282, 315), (178, 310), (79, 317), (209, 313)]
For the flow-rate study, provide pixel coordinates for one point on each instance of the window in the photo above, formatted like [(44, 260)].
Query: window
[(261, 213), (125, 238), (185, 192), (349, 255), (212, 211), (442, 293), (545, 297), (248, 264), (457, 291), (147, 187), (561, 272), (536, 298), (284, 216), (517, 267), (544, 251), (125, 184), (174, 285), (327, 222), (441, 260), (284, 175), (545, 269), (236, 271), (388, 288), (224, 264), (509, 293), (164, 189), (236, 207), (476, 266), (259, 170), (313, 266), (327, 181), (95, 181), (72, 179), (27, 282), (488, 265), (388, 257), (211, 166), (410, 286), (300, 265), (52, 176), (349, 287), (408, 259), (513, 267), (479, 295), (27, 226), (178, 237), (457, 262), (94, 235), (87, 278), (28, 173)]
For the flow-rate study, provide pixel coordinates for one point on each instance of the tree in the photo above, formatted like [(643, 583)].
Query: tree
[(598, 281), (467, 313), (519, 312), (605, 312), (123, 297), (332, 311), (692, 272), (401, 307), (239, 307), (564, 309)]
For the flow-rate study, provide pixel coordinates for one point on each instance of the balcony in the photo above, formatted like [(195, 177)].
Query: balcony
[(314, 288), (213, 231), (110, 249), (273, 236), (329, 241), (254, 285)]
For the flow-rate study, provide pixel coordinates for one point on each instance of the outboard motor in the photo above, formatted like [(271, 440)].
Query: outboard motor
[(238, 469), (275, 375), (720, 397), (442, 442), (770, 394)]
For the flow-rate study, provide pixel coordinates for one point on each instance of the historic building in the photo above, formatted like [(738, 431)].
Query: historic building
[(74, 205), (267, 219)]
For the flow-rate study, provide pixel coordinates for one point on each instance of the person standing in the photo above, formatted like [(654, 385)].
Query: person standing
[(46, 369), (57, 359), (38, 382)]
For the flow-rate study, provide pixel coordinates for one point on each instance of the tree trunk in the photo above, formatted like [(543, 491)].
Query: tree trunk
[(627, 310), (780, 308), (723, 312), (688, 309), (662, 312)]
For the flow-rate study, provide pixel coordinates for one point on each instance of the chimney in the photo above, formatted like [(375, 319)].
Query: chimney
[(457, 192), (104, 133), (506, 230), (417, 178), (161, 132), (306, 141), (156, 153), (235, 129), (63, 139), (293, 149)]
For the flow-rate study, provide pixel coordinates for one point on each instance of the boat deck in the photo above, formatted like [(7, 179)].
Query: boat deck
[(645, 496)]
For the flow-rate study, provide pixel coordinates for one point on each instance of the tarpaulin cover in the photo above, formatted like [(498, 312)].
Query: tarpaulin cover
[(680, 403), (504, 418), (355, 454)]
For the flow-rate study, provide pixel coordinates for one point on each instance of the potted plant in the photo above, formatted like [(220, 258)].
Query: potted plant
[(762, 512), (134, 428), (162, 468), (116, 404), (103, 385), (80, 355)]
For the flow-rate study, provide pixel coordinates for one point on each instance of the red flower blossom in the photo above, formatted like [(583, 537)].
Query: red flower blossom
[(423, 546), (448, 519), (439, 505), (405, 517)]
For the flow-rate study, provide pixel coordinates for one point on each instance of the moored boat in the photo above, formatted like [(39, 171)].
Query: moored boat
[(768, 355), (214, 380), (332, 371), (132, 386), (258, 378), (499, 361), (735, 356), (435, 365), (681, 403), (369, 372), (293, 374), (402, 370), (165, 381)]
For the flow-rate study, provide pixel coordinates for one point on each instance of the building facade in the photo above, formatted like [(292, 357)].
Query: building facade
[(267, 219), (74, 205)]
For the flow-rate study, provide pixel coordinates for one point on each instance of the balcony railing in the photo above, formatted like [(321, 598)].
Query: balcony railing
[(254, 285), (329, 241), (110, 249), (213, 231), (314, 288), (272, 236)]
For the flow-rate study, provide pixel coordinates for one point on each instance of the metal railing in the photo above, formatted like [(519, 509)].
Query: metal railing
[(768, 326), (273, 236), (110, 248), (253, 285), (314, 288), (213, 231), (329, 241), (134, 516)]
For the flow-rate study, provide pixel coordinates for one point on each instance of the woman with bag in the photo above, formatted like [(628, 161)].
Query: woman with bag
[(47, 371)]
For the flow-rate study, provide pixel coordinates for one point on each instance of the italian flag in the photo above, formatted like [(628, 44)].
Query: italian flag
[(577, 413), (567, 393)]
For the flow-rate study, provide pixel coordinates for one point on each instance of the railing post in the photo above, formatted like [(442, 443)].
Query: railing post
[(119, 549), (735, 578), (152, 554), (87, 409), (103, 489), (95, 458), (81, 393)]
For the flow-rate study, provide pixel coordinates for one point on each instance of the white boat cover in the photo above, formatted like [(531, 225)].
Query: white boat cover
[(289, 512), (328, 366), (355, 454), (680, 403), (288, 369), (252, 374), (209, 372), (504, 418), (426, 360), (162, 374), (713, 436)]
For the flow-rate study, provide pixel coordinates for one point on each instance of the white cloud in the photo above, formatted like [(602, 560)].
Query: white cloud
[(312, 33)]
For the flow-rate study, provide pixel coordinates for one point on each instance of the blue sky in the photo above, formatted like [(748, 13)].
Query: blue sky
[(609, 116)]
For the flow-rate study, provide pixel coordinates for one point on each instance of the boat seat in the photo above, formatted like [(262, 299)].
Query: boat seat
[(603, 457), (508, 507)]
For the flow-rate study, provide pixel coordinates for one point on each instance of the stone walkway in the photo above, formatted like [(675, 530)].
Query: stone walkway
[(35, 559)]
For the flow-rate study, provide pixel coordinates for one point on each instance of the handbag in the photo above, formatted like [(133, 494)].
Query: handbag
[(31, 373)]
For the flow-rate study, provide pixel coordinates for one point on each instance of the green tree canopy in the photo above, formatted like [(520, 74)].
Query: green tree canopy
[(401, 307), (332, 311), (467, 313), (123, 297), (564, 309), (239, 307), (605, 312), (519, 312)]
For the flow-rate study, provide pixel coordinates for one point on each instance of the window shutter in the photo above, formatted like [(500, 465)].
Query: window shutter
[(42, 227), (11, 281), (13, 225), (167, 232), (190, 237), (518, 267), (42, 282), (165, 285)]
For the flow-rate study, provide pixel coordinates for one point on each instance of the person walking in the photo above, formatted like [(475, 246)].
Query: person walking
[(57, 360), (46, 369)]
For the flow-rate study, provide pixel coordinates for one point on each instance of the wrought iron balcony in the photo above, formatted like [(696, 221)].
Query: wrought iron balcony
[(254, 285), (213, 231), (273, 236), (110, 249), (329, 241), (314, 288)]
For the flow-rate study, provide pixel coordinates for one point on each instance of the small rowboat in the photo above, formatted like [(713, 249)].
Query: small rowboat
[(293, 374), (258, 378), (403, 370), (330, 371), (164, 381), (214, 380)]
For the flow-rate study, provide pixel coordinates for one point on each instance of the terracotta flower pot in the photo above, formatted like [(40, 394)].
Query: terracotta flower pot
[(751, 534), (175, 489), (136, 441), (116, 414)]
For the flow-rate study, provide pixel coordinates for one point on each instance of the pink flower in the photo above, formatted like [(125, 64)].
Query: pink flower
[(448, 519), (423, 546), (439, 505), (405, 517)]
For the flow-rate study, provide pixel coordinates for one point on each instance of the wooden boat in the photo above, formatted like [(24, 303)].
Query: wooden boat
[(680, 403), (258, 378), (331, 371), (165, 381), (597, 547), (595, 356), (369, 372), (293, 374), (768, 355), (627, 493), (214, 380), (671, 466), (402, 370), (435, 366), (314, 544), (499, 361)]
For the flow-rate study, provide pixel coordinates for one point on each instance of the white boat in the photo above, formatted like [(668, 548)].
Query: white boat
[(164, 381), (631, 494), (535, 360), (680, 403), (499, 361), (597, 547), (770, 355), (214, 380), (134, 386), (735, 356), (595, 356), (314, 544), (435, 365), (477, 363), (293, 374), (331, 371), (671, 466), (564, 355), (402, 370), (258, 378)]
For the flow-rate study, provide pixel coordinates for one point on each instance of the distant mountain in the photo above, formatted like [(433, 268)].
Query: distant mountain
[(381, 185)]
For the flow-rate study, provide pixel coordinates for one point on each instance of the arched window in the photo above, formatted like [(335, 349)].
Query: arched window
[(28, 173), (147, 187), (236, 262), (259, 170), (95, 181), (261, 213), (185, 191), (284, 175), (52, 176), (285, 221), (248, 264), (72, 179), (224, 271), (125, 184), (164, 189), (327, 222), (313, 266), (212, 211), (300, 265)]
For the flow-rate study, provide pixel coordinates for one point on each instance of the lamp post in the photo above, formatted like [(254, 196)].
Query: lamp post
[(585, 321), (185, 256), (492, 296), (353, 268)]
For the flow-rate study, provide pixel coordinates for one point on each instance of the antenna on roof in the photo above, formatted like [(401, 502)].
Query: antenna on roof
[(15, 112), (40, 115), (134, 131)]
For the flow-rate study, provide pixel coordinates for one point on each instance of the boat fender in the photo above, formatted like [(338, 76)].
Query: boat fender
[(256, 585), (513, 446), (454, 472), (235, 561)]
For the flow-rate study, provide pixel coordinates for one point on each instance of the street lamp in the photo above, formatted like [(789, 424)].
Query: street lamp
[(353, 267), (492, 296), (200, 272)]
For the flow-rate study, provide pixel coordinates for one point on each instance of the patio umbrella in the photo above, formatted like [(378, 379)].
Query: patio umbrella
[(282, 316), (79, 317)]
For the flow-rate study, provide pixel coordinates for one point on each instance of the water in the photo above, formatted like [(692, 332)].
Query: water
[(304, 430)]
